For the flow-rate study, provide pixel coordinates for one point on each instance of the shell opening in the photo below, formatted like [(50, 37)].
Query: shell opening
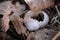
[(39, 17)]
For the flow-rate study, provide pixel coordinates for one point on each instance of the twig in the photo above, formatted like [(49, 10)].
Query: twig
[(57, 35)]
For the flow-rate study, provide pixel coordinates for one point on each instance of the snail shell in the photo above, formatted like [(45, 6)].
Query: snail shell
[(33, 24)]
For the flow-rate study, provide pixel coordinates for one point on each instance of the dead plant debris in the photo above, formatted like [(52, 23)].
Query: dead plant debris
[(12, 25)]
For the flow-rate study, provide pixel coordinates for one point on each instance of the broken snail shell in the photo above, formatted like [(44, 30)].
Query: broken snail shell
[(33, 24)]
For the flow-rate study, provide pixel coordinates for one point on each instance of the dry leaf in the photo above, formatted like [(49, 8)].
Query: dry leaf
[(18, 24), (30, 36), (5, 19), (5, 23)]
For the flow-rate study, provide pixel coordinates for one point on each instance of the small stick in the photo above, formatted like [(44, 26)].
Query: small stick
[(57, 35)]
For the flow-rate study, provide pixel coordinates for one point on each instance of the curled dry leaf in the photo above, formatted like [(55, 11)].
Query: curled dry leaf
[(18, 9), (6, 11), (5, 23), (18, 24), (36, 5), (4, 5), (5, 19), (15, 18)]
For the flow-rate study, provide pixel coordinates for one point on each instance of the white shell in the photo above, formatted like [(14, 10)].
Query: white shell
[(33, 24), (45, 21)]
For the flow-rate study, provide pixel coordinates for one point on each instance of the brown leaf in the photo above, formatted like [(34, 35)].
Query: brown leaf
[(23, 29), (6, 17), (30, 36), (18, 24), (5, 23), (5, 20)]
